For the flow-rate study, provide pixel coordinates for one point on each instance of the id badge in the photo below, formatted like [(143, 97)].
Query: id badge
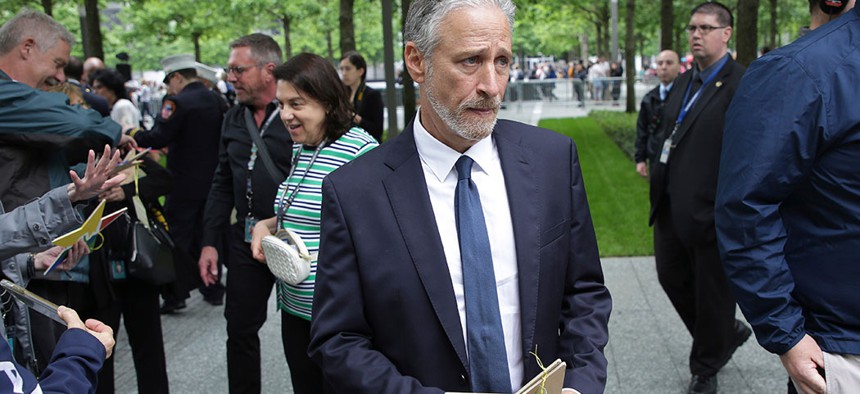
[(250, 222), (117, 270), (664, 154)]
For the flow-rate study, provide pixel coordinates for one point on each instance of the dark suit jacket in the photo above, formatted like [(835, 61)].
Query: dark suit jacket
[(385, 317), (192, 131), (689, 180), (370, 108)]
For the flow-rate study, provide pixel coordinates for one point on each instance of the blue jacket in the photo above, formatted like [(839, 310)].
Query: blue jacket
[(73, 368), (788, 200)]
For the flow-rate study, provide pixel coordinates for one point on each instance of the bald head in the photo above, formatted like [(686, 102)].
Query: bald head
[(91, 65), (668, 66)]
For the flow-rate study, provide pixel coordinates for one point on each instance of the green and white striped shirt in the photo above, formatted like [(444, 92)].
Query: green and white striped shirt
[(303, 216)]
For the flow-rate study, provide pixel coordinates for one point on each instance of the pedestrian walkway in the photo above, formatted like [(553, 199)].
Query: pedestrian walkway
[(647, 351), (648, 344)]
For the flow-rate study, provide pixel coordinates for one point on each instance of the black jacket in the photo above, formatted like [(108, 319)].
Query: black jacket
[(647, 139), (229, 184), (368, 105), (690, 176), (189, 123)]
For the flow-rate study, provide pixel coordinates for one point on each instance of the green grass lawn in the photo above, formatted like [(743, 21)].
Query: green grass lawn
[(617, 195)]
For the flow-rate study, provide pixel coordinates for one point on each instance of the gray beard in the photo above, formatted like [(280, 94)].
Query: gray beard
[(472, 131)]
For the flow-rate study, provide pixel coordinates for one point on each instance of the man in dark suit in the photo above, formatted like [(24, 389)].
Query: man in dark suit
[(74, 70), (189, 124), (436, 276), (651, 112), (683, 188)]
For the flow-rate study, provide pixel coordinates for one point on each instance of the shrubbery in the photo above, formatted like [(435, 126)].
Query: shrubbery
[(620, 127)]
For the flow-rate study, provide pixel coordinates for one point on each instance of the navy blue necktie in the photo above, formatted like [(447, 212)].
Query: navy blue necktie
[(488, 361)]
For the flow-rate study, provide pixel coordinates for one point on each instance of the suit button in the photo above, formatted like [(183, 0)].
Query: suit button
[(43, 241), (463, 379), (37, 227)]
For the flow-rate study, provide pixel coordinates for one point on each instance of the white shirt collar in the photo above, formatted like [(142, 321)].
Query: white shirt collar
[(441, 158), (667, 86)]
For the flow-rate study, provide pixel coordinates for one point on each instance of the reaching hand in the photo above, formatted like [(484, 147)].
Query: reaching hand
[(113, 194), (96, 176), (101, 331), (43, 260), (127, 141), (802, 363)]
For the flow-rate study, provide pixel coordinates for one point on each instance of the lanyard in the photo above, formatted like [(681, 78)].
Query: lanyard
[(249, 194), (687, 105), (285, 201)]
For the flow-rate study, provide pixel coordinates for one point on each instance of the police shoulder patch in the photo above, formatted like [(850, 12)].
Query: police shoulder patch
[(167, 109)]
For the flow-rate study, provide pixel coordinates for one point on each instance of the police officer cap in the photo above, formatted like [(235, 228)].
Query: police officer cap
[(178, 62), (207, 73)]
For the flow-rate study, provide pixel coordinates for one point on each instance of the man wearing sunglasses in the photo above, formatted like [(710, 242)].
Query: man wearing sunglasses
[(683, 186)]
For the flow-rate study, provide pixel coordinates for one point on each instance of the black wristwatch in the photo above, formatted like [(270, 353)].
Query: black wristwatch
[(31, 265)]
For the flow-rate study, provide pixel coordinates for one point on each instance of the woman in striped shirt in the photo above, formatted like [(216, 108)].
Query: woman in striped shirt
[(315, 107)]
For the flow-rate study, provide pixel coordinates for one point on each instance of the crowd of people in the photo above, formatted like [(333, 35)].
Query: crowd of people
[(457, 256)]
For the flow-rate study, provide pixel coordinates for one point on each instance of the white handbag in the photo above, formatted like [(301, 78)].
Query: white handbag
[(287, 256)]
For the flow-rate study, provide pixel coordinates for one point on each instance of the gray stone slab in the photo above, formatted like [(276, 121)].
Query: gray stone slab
[(647, 350)]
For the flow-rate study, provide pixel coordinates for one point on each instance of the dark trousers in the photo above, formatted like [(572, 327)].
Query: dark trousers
[(137, 303), (46, 332), (693, 279), (185, 220), (249, 285), (296, 336)]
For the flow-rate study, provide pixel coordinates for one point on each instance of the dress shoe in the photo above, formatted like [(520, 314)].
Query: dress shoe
[(700, 384), (742, 333), (170, 307), (214, 300)]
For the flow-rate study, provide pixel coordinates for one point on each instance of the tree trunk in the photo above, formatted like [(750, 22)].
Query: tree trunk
[(408, 87), (388, 55), (599, 39), (773, 25), (747, 32), (606, 33), (94, 31), (329, 47), (347, 26), (613, 41), (195, 38), (667, 24), (630, 54), (48, 6), (583, 44), (288, 46)]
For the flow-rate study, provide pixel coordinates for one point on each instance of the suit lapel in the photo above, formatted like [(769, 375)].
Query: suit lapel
[(523, 195), (407, 192), (707, 94)]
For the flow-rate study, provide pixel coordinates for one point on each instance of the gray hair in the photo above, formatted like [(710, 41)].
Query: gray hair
[(264, 49), (425, 17), (43, 29)]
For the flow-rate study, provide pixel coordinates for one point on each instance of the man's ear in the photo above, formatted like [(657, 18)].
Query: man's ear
[(270, 71), (727, 34), (27, 48), (414, 61)]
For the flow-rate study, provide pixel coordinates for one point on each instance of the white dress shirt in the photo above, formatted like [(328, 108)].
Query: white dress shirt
[(437, 160), (664, 90)]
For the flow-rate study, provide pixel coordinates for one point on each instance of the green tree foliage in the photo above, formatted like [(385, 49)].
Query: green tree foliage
[(151, 29)]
